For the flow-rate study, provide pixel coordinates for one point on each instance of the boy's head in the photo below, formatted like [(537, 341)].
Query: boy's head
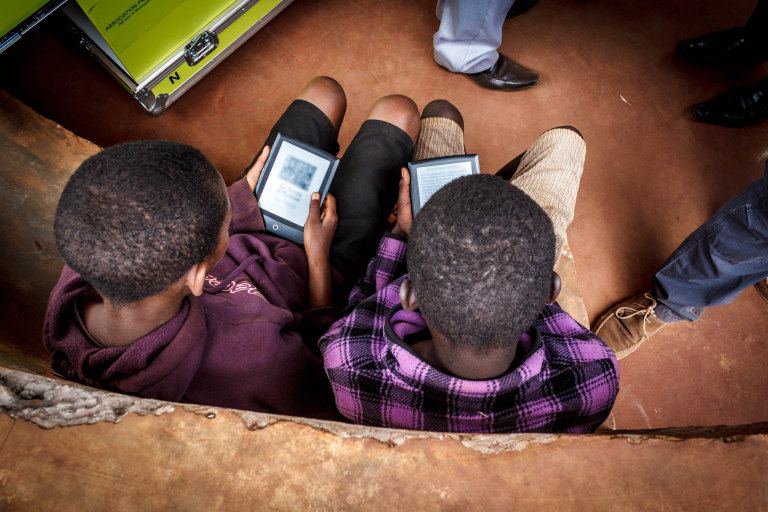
[(480, 260), (135, 218)]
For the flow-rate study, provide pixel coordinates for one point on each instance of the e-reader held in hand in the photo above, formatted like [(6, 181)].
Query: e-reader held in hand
[(293, 171), (429, 176)]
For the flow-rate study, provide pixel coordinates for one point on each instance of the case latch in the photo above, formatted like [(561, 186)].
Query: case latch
[(203, 44)]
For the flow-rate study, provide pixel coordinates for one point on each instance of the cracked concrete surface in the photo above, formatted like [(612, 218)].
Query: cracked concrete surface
[(52, 402), (118, 452)]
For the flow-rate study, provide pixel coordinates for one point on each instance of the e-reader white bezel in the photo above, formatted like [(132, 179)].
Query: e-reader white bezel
[(414, 167), (276, 224)]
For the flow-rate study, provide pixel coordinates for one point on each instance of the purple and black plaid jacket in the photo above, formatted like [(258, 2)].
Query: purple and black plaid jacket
[(564, 380)]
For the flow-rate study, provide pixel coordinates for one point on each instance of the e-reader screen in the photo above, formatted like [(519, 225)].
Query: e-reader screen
[(433, 178), (295, 175)]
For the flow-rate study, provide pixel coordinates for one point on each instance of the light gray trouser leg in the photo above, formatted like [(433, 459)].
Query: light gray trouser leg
[(469, 34)]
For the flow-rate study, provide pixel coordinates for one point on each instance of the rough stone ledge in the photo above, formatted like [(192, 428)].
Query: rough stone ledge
[(50, 402)]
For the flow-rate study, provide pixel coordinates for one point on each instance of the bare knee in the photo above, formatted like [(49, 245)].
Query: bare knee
[(326, 94), (400, 111), (443, 108)]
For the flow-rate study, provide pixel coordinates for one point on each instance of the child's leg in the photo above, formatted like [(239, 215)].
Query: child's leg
[(367, 182), (442, 131), (549, 172), (314, 117)]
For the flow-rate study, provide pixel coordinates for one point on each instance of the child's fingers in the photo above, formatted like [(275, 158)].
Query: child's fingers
[(329, 210), (262, 158), (255, 171), (405, 188), (330, 204), (404, 215), (314, 207), (404, 201)]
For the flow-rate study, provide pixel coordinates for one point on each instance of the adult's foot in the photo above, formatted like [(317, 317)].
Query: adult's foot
[(505, 75), (733, 47), (762, 289), (739, 107), (627, 325), (520, 6)]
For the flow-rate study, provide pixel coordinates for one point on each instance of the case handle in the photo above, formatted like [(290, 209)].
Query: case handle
[(203, 44)]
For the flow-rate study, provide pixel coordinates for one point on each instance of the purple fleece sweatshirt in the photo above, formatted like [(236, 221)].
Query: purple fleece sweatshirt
[(238, 345)]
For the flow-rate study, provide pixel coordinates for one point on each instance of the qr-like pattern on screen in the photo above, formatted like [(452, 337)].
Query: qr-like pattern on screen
[(297, 172)]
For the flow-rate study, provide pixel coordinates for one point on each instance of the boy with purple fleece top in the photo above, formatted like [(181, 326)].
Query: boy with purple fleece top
[(219, 335), (175, 290), (471, 338)]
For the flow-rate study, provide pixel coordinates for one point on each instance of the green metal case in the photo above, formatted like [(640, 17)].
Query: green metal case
[(158, 49)]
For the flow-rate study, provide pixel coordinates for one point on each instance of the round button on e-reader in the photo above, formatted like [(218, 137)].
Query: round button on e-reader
[(274, 226)]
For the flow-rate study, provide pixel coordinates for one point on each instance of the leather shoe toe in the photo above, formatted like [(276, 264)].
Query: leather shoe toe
[(739, 107), (505, 75), (732, 47), (702, 111)]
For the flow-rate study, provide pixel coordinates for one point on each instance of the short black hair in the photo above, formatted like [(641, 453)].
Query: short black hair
[(134, 218), (480, 258)]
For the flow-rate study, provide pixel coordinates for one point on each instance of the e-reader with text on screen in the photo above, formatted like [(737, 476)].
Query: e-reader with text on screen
[(429, 176), (293, 172)]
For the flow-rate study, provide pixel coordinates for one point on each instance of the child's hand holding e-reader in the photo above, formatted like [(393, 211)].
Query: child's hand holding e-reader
[(429, 176), (293, 172)]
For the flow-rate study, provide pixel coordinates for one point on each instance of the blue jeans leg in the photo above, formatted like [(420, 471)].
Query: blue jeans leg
[(716, 262)]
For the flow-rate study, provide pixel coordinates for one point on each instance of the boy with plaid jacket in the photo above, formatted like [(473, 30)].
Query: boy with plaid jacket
[(471, 340)]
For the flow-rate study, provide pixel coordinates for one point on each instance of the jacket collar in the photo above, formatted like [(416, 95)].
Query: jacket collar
[(520, 358)]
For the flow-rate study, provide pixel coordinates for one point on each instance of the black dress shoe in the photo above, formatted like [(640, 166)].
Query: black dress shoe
[(743, 106), (732, 47), (505, 75), (519, 7)]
